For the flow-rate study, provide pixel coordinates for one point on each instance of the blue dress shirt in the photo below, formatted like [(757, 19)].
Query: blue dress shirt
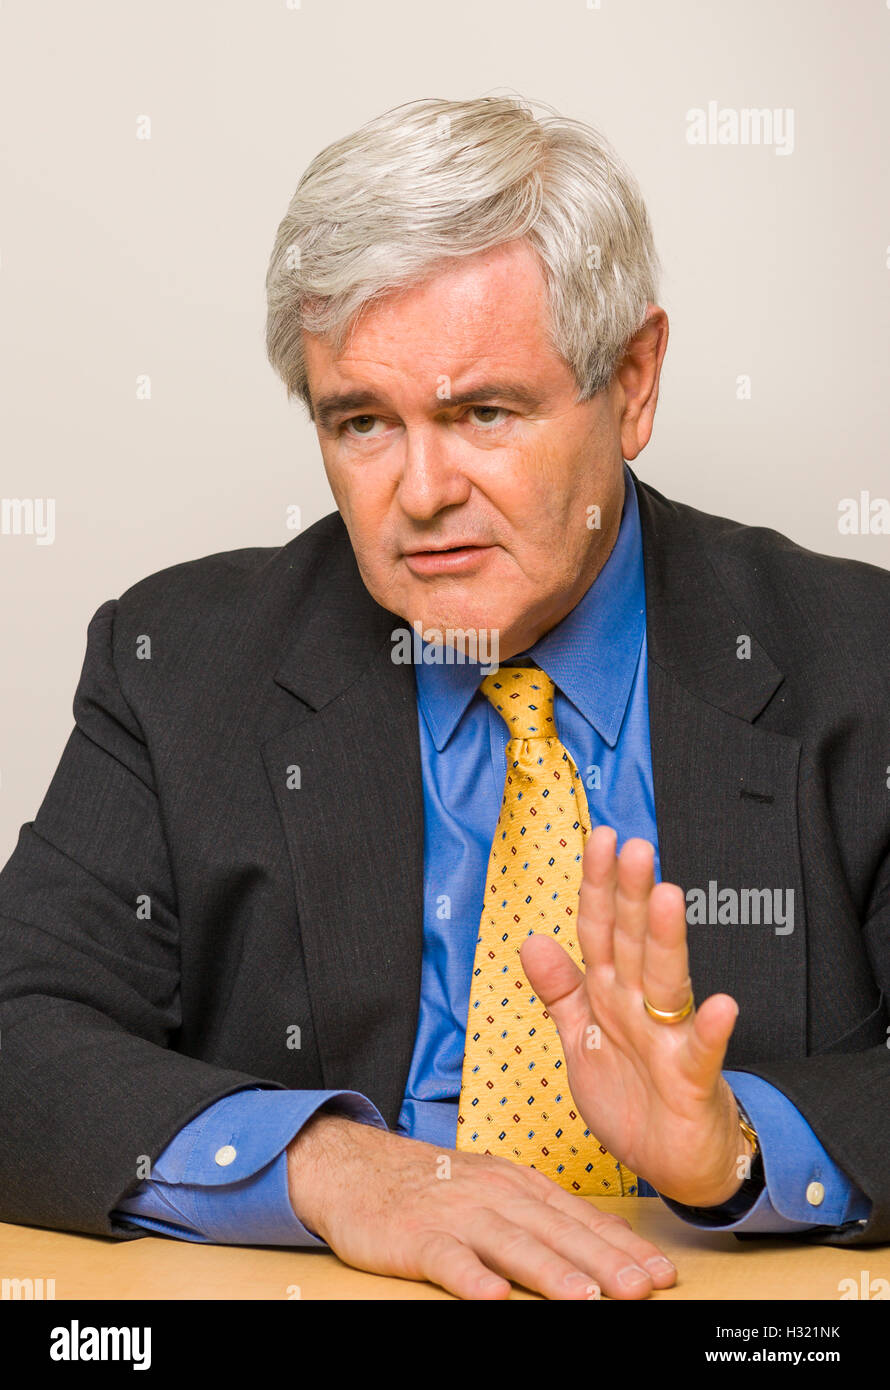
[(223, 1178)]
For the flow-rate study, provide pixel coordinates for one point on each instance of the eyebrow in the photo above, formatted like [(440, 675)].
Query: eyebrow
[(340, 403)]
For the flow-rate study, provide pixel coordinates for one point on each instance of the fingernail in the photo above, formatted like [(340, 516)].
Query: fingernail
[(659, 1265), (575, 1278), (633, 1276), (489, 1281)]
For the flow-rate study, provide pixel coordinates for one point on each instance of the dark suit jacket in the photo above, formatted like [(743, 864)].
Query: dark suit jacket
[(272, 906)]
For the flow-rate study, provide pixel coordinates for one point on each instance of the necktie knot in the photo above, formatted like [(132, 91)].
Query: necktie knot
[(523, 697)]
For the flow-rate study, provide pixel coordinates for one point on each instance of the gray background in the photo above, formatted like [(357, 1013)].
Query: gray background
[(121, 256)]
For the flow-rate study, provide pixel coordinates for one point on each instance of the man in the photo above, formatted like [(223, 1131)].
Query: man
[(294, 950)]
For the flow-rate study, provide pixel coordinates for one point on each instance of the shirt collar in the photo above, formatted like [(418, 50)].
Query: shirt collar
[(591, 655)]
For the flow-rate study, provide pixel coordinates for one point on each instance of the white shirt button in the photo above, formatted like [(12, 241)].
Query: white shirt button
[(815, 1194), (227, 1155)]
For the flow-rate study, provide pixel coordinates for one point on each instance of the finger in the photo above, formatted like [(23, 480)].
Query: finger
[(618, 1232), (557, 981), (709, 1036), (447, 1261), (596, 900), (516, 1252), (666, 982), (605, 1249), (636, 877)]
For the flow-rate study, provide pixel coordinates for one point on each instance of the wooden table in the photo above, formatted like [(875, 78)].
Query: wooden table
[(711, 1266)]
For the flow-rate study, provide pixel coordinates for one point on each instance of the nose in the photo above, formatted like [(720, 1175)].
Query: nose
[(432, 478)]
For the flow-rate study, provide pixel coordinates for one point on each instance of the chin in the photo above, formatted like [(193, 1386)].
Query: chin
[(468, 614)]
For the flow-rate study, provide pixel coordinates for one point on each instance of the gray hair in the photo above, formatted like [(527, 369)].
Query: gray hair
[(431, 180)]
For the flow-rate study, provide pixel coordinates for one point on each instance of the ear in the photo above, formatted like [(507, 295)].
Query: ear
[(637, 378)]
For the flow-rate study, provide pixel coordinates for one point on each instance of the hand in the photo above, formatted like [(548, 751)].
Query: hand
[(469, 1222), (651, 1092)]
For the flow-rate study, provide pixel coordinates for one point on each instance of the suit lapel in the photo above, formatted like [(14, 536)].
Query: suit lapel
[(725, 790), (354, 830)]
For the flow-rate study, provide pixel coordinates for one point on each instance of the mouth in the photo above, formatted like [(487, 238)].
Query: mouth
[(447, 560)]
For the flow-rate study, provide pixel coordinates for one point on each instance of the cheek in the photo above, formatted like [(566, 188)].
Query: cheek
[(361, 509), (546, 481), (543, 510), (335, 480)]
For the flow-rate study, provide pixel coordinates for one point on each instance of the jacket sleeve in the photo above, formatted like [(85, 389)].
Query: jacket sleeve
[(844, 1094), (90, 1089)]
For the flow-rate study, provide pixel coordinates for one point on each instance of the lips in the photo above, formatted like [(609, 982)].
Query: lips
[(455, 559), (438, 549)]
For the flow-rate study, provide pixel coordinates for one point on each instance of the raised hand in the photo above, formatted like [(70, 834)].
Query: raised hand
[(651, 1091)]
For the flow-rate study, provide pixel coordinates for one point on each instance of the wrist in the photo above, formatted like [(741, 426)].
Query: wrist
[(740, 1203), (743, 1164), (749, 1179), (311, 1161), (738, 1178)]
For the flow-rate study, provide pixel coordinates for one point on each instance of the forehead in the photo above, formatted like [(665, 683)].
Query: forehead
[(486, 310)]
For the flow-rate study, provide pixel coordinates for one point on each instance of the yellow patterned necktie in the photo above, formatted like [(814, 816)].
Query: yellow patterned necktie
[(514, 1095)]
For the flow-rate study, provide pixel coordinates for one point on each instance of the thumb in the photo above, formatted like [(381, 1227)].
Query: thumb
[(557, 981), (712, 1026)]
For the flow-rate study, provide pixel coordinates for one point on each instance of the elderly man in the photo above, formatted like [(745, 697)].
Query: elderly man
[(310, 943)]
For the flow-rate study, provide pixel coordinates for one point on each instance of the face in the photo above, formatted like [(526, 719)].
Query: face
[(462, 466)]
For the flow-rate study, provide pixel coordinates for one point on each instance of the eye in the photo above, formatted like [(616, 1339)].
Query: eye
[(489, 410), (360, 420)]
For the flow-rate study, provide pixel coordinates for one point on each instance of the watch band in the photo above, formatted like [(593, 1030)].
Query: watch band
[(748, 1129)]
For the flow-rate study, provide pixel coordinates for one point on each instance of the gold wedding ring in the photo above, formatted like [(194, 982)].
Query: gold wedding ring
[(669, 1016)]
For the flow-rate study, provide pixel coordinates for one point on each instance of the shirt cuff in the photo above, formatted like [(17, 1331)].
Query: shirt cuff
[(804, 1188), (223, 1178)]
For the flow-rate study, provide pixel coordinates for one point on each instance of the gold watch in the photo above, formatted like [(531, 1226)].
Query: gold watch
[(749, 1131)]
